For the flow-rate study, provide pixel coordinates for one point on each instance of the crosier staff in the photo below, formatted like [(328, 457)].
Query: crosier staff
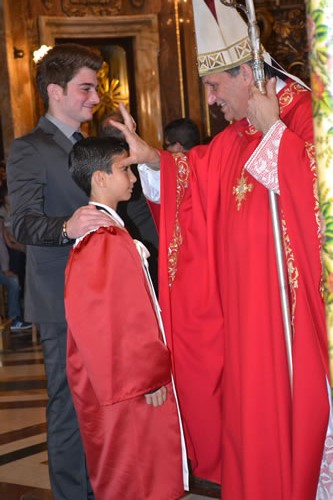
[(259, 75)]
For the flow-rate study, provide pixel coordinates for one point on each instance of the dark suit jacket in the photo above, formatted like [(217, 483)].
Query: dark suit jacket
[(42, 196)]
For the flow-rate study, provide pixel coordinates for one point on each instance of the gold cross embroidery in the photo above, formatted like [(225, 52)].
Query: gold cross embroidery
[(241, 190)]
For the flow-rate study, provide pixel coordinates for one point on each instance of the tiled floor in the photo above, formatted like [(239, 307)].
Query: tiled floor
[(23, 456), (23, 452)]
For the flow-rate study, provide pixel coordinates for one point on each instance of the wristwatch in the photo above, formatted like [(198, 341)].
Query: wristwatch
[(64, 236)]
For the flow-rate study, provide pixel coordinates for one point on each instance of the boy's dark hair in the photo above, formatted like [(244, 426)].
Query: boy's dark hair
[(184, 131), (61, 63), (92, 154)]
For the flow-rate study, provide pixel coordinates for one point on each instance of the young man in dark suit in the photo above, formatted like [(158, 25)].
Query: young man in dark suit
[(48, 212)]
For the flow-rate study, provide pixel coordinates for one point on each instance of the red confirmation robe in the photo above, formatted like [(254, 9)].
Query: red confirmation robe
[(218, 261), (115, 355)]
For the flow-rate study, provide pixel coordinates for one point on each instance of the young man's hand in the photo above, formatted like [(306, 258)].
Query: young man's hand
[(85, 219), (157, 398)]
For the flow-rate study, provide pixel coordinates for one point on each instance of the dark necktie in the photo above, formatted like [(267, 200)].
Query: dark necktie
[(77, 136)]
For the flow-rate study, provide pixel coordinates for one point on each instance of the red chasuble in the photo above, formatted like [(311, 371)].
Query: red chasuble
[(114, 356), (218, 265), (192, 311)]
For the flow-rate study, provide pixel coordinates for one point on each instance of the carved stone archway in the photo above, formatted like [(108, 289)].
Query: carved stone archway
[(144, 31)]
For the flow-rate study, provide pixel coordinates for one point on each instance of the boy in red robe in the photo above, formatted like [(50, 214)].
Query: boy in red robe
[(118, 366)]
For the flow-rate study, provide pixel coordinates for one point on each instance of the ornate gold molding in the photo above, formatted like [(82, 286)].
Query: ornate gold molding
[(180, 59), (47, 4), (137, 3), (93, 7), (283, 33)]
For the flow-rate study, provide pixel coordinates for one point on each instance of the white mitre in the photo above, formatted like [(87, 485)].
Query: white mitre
[(222, 39)]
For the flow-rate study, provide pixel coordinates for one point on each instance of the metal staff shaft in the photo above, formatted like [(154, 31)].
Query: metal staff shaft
[(259, 75), (283, 285)]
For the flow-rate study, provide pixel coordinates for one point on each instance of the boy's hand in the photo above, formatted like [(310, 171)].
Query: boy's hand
[(157, 398)]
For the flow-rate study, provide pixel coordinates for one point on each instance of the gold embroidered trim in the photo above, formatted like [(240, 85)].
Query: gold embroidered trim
[(183, 172), (240, 191), (251, 130), (311, 153), (291, 268), (285, 99), (220, 59), (288, 94)]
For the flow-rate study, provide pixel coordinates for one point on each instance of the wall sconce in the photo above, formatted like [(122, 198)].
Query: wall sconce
[(18, 53), (38, 54)]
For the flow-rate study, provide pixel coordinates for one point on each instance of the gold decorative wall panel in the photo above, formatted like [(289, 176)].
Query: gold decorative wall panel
[(283, 33), (91, 7)]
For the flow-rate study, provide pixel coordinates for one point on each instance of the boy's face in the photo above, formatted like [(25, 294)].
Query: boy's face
[(119, 184)]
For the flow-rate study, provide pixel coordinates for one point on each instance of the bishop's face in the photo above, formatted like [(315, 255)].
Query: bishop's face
[(229, 92)]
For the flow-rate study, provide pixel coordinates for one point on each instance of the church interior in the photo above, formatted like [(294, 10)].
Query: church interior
[(149, 54)]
